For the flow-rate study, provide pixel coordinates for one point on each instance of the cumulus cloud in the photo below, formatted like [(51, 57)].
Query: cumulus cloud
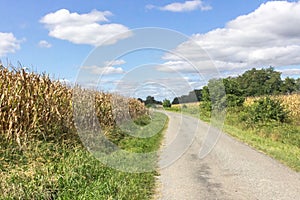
[(8, 43), (270, 35), (290, 72), (91, 28), (66, 81), (115, 62), (44, 44), (176, 66), (94, 69), (186, 6), (160, 88), (109, 68)]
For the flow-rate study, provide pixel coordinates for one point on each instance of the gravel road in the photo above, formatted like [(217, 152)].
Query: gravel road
[(232, 170)]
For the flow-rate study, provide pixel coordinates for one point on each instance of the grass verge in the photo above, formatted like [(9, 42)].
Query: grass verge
[(280, 141), (47, 170), (286, 153)]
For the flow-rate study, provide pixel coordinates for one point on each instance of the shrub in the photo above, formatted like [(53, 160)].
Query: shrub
[(267, 110), (234, 100), (143, 120), (167, 103), (289, 102), (205, 108)]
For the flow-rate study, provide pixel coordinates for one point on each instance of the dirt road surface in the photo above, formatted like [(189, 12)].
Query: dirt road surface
[(232, 170)]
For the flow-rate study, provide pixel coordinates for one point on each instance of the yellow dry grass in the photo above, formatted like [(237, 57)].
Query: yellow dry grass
[(192, 104), (34, 106)]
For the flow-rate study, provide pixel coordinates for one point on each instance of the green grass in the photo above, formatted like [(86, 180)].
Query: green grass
[(286, 153), (48, 170), (138, 144), (280, 141)]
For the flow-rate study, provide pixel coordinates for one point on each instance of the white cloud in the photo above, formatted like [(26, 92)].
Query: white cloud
[(186, 6), (104, 70), (290, 72), (66, 81), (268, 36), (8, 43), (115, 62), (84, 28), (44, 44), (108, 68), (160, 88), (176, 66)]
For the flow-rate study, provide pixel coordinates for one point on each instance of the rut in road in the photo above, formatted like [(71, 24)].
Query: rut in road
[(232, 170)]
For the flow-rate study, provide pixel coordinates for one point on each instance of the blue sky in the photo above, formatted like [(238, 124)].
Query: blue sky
[(59, 36)]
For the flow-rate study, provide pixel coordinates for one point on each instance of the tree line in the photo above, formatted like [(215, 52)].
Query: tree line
[(254, 82)]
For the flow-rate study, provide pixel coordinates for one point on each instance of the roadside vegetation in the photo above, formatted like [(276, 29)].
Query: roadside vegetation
[(41, 155), (261, 110)]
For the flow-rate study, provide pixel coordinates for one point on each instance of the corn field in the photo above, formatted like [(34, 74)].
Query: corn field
[(290, 102), (32, 106)]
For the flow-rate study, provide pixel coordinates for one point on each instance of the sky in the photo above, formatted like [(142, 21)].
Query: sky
[(163, 48)]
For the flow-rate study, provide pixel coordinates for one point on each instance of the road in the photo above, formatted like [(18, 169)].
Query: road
[(232, 170)]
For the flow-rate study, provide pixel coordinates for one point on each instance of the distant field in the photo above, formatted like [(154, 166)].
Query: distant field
[(188, 104)]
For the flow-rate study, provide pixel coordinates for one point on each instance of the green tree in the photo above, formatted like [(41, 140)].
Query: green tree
[(288, 86), (233, 92), (260, 82), (205, 94), (175, 100), (297, 84), (205, 105), (232, 86), (213, 97), (149, 100), (217, 94), (273, 82), (166, 103)]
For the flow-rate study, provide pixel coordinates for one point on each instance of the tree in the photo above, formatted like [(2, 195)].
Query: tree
[(175, 100), (141, 100), (205, 105), (297, 84), (166, 103), (288, 86), (205, 94), (233, 92), (195, 95), (217, 94), (149, 100), (260, 82), (232, 86)]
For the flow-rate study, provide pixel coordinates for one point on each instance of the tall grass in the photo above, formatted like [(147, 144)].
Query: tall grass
[(35, 107), (41, 156)]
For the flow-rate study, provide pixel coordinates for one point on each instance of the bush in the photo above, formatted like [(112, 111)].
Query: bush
[(267, 110), (205, 108), (143, 120), (167, 103), (234, 100)]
